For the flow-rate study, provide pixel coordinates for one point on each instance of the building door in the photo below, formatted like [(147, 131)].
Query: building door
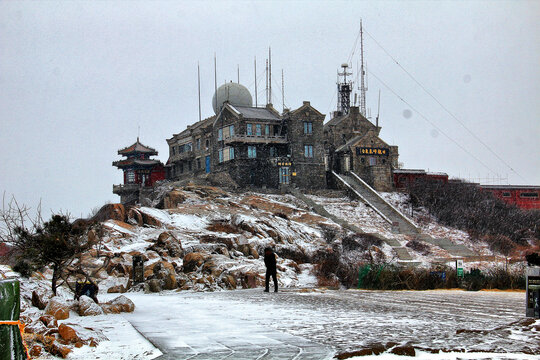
[(284, 175), (207, 164)]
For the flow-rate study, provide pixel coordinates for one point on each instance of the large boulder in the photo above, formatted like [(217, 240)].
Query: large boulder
[(193, 261), (154, 285), (39, 300), (110, 212), (173, 199), (169, 282), (58, 308), (87, 307), (118, 305), (251, 280), (229, 282), (134, 216)]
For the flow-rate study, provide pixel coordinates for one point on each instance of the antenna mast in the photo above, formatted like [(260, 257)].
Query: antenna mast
[(363, 87), (255, 63), (282, 90), (270, 74), (215, 78), (238, 73), (199, 86), (266, 81), (378, 110)]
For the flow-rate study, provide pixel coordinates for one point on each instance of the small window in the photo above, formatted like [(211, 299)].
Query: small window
[(207, 144), (220, 134), (308, 127), (199, 144), (529, 195), (506, 194), (258, 130), (267, 130), (173, 150), (231, 130), (252, 152), (231, 153), (273, 152), (189, 146), (220, 156), (372, 161), (308, 151), (190, 165), (249, 129), (198, 164)]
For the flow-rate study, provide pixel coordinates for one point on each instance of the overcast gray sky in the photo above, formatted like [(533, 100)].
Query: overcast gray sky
[(78, 78)]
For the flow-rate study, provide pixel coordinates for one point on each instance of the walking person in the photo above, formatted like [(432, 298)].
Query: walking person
[(270, 263)]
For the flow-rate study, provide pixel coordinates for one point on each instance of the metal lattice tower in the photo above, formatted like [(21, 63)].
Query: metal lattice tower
[(363, 87), (344, 91)]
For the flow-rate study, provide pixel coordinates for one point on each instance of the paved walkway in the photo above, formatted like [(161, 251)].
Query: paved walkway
[(296, 324), (186, 326)]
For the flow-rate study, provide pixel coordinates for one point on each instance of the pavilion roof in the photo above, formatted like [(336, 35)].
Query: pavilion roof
[(137, 147)]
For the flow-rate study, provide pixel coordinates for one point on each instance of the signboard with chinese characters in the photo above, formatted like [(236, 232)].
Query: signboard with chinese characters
[(459, 267), (369, 151)]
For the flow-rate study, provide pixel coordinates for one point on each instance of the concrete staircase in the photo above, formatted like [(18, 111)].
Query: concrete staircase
[(457, 250), (370, 197), (403, 255)]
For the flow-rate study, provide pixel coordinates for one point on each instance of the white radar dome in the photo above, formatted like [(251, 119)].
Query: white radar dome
[(234, 93)]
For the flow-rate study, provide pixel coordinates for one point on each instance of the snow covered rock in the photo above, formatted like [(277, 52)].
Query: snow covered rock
[(87, 307), (193, 261), (123, 303), (39, 300), (57, 308), (154, 285), (110, 212)]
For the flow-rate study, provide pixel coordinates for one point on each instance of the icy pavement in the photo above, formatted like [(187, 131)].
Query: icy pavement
[(296, 324)]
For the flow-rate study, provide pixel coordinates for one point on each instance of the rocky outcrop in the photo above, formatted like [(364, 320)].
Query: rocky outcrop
[(118, 305), (110, 212), (87, 307), (57, 308), (193, 261), (39, 300)]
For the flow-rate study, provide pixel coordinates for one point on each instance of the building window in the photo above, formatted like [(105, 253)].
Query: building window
[(231, 130), (258, 130), (173, 150), (220, 134), (188, 147), (181, 170), (308, 127), (273, 151), (529, 195), (199, 144), (198, 164), (207, 144), (181, 149), (284, 175), (252, 152), (308, 151), (231, 153), (249, 129), (267, 130), (372, 161), (220, 156), (130, 177), (506, 194), (190, 165)]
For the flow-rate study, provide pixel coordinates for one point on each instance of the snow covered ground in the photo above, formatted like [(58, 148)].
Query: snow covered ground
[(318, 323)]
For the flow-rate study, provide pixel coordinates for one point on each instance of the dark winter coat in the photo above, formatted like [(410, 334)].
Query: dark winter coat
[(270, 260)]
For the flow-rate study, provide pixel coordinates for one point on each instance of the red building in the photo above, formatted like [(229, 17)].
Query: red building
[(522, 196), (404, 178), (140, 171)]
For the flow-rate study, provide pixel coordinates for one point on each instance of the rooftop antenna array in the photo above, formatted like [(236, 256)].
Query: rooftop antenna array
[(344, 91)]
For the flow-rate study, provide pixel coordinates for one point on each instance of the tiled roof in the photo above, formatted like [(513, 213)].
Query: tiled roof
[(131, 162), (256, 113), (137, 147)]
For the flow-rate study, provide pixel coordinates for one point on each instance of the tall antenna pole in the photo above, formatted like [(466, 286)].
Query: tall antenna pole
[(362, 73), (270, 74), (282, 90), (238, 73), (378, 110), (199, 86), (266, 81), (215, 78), (255, 63)]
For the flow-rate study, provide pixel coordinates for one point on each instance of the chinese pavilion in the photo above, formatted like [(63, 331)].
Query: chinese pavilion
[(140, 171)]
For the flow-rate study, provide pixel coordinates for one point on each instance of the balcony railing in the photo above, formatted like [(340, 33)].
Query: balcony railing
[(125, 188), (253, 139)]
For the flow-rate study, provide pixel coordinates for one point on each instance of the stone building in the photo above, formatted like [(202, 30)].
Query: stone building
[(353, 144), (252, 146), (259, 147)]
